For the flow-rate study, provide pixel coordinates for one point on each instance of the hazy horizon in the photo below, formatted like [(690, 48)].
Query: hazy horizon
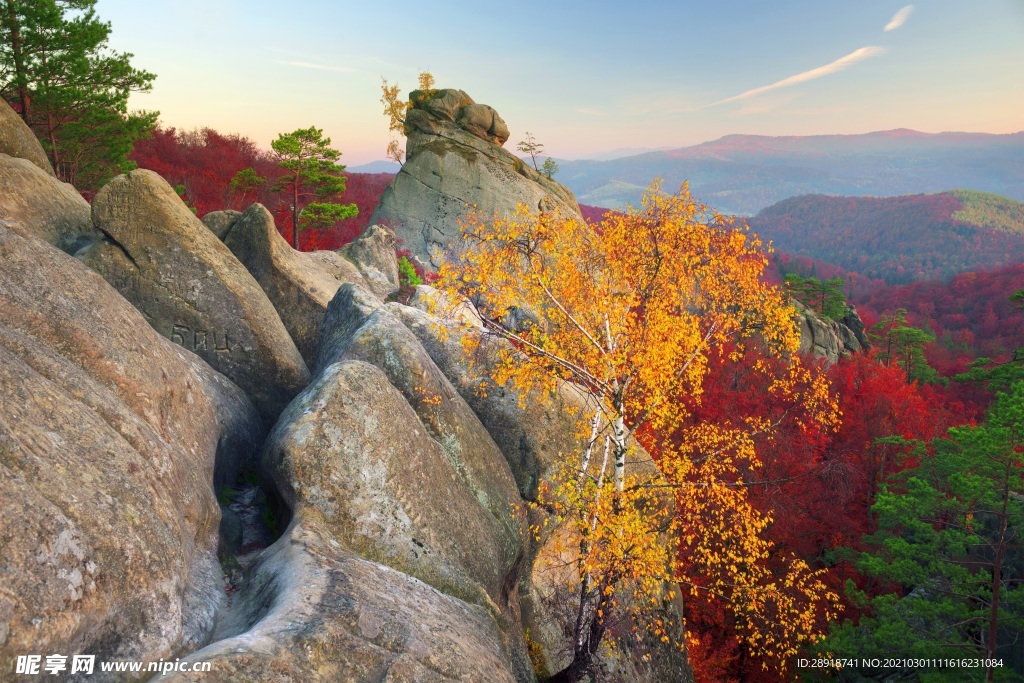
[(584, 78)]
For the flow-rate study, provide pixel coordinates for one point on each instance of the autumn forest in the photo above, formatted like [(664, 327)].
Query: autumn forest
[(796, 434), (821, 485)]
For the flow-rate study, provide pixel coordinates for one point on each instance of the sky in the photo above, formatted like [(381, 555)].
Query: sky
[(583, 77)]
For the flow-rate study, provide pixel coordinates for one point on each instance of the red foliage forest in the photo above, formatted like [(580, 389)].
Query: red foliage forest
[(201, 163), (818, 486)]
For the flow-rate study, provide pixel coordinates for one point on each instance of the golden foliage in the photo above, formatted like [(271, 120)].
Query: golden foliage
[(426, 81), (630, 312), (395, 110)]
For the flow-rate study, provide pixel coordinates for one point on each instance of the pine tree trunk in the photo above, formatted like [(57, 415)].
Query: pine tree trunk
[(295, 212), (54, 155), (19, 60), (997, 570)]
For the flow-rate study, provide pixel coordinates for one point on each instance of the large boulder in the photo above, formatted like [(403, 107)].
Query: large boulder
[(455, 166), (447, 439), (219, 222), (373, 253), (111, 438), (830, 339), (18, 140), (192, 289), (852, 322), (299, 285), (315, 611), (406, 543), (534, 435), (354, 452), (51, 210)]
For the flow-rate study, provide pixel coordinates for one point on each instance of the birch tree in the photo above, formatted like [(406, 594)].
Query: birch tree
[(630, 312)]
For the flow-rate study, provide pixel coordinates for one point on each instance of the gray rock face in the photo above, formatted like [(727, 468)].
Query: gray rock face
[(855, 326), (346, 313), (455, 165), (453, 440), (18, 140), (51, 210), (404, 553), (110, 437), (455, 106), (373, 252), (532, 436), (219, 222), (830, 339), (299, 285), (483, 122), (314, 611), (352, 450), (192, 289)]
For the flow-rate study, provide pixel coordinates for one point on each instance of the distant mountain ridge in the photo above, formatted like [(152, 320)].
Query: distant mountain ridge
[(380, 166), (899, 239), (743, 174)]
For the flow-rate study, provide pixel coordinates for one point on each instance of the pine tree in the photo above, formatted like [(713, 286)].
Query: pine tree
[(901, 343), (948, 537), (533, 148), (57, 69), (311, 170), (549, 167), (824, 297)]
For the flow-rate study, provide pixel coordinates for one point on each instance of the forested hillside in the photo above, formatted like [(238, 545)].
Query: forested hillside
[(899, 239), (747, 411)]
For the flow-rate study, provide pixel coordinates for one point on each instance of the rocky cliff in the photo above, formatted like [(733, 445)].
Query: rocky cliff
[(831, 339), (176, 359), (138, 384), (456, 165)]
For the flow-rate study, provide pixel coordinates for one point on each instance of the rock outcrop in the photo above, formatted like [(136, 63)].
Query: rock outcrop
[(373, 253), (455, 166), (353, 451), (192, 289), (299, 285), (18, 140), (399, 488), (219, 222), (406, 545), (315, 611), (830, 339), (51, 210), (533, 434), (110, 440)]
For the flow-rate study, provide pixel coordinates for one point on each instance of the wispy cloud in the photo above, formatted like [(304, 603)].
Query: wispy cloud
[(899, 18), (831, 68), (762, 106), (322, 67)]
